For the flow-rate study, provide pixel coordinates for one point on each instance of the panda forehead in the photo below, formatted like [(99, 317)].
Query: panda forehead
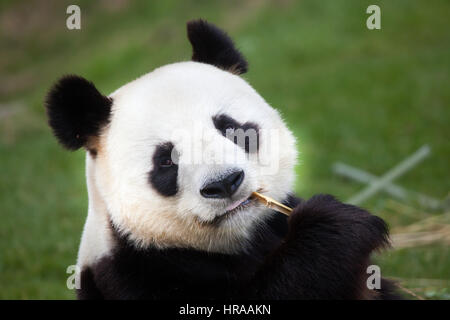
[(185, 90)]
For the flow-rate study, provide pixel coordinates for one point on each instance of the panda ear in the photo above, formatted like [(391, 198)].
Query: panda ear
[(76, 111), (213, 46)]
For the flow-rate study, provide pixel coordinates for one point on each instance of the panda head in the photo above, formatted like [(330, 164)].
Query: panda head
[(176, 153)]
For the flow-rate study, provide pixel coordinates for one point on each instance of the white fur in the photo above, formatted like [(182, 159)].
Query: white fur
[(152, 110), (96, 240)]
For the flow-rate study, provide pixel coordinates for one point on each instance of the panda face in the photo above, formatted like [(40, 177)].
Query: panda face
[(175, 155), (169, 174)]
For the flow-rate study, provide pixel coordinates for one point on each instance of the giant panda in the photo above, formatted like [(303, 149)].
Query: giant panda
[(162, 226)]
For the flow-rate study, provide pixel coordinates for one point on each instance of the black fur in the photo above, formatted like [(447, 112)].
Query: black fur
[(89, 288), (326, 250), (322, 252), (222, 122), (164, 178), (76, 111), (213, 46)]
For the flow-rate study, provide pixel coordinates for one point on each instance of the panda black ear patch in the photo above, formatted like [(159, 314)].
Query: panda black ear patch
[(213, 46), (76, 111)]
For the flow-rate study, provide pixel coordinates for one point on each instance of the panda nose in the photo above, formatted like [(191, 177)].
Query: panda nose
[(224, 188)]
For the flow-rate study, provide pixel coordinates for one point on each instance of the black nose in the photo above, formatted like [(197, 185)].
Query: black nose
[(224, 188)]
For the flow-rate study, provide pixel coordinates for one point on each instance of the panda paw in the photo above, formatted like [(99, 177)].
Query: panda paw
[(329, 226)]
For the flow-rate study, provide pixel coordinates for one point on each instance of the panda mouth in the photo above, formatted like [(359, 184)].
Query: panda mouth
[(238, 205), (232, 209)]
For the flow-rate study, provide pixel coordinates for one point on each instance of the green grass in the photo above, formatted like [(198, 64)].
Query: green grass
[(366, 98)]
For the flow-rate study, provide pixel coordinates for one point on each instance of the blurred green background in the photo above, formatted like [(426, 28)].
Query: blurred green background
[(366, 98)]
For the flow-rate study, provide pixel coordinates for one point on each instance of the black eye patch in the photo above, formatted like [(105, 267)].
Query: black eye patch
[(228, 126), (164, 175)]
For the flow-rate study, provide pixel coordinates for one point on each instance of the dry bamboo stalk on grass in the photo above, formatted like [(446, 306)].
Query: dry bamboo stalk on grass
[(403, 240), (405, 210), (433, 222)]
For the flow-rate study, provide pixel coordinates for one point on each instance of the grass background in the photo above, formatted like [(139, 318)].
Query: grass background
[(366, 98)]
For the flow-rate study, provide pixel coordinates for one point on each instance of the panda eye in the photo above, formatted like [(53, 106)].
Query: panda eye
[(164, 175), (166, 163), (229, 127)]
